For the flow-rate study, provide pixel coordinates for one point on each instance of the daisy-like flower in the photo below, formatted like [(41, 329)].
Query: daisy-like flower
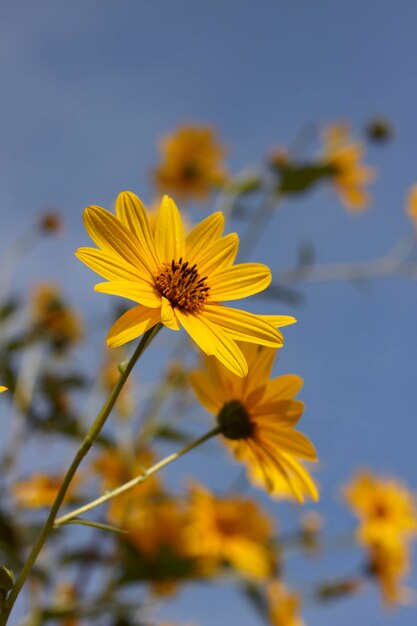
[(257, 417), (178, 280), (385, 508), (349, 175), (232, 530), (192, 162)]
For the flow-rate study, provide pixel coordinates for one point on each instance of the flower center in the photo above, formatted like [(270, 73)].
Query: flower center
[(234, 421), (191, 171), (182, 286)]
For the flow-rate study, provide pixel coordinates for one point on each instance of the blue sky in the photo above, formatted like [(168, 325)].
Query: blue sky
[(87, 89)]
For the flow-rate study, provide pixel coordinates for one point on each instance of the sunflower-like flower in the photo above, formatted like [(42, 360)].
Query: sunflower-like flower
[(178, 280), (385, 508), (257, 417), (349, 175), (192, 162), (232, 530)]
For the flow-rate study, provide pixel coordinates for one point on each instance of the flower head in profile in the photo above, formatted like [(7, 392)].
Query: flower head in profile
[(178, 280), (283, 605), (385, 508), (230, 530), (257, 417), (411, 206), (348, 173), (192, 162)]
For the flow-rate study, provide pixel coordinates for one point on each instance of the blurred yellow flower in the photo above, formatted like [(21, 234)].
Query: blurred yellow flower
[(257, 417), (386, 508), (232, 530), (53, 317), (388, 520), (284, 606), (2, 389), (177, 280), (40, 490), (411, 207), (114, 468), (349, 175), (192, 163)]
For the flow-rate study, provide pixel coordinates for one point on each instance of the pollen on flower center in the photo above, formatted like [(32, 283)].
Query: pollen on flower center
[(234, 421), (182, 285)]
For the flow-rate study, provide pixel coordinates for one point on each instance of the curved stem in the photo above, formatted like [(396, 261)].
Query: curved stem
[(88, 441), (137, 480)]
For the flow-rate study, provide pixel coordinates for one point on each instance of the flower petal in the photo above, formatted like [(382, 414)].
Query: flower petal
[(243, 326), (206, 393), (132, 324), (221, 255), (214, 340), (138, 292), (278, 414), (168, 317), (110, 266), (131, 212), (289, 442), (239, 281), (203, 235), (169, 232), (283, 388), (278, 321), (303, 477), (108, 233)]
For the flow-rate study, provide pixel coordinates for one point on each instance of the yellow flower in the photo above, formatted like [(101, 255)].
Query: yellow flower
[(52, 316), (284, 606), (2, 389), (115, 468), (177, 280), (40, 490), (386, 509), (231, 530), (257, 417), (192, 162), (349, 175), (156, 530), (411, 207)]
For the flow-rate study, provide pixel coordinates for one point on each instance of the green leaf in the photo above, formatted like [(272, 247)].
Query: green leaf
[(299, 178)]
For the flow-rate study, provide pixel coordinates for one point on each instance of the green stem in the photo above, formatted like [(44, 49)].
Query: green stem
[(81, 453), (137, 480)]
